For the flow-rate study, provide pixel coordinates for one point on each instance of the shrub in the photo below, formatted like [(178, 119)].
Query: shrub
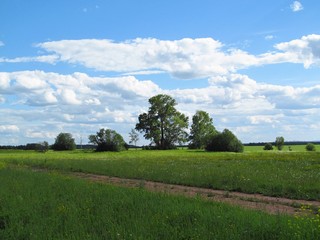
[(64, 141), (268, 146), (108, 140), (225, 142), (310, 147)]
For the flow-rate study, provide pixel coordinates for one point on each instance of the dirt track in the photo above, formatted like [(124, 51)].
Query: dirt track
[(273, 205)]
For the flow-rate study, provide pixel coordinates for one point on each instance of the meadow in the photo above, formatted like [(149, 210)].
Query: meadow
[(50, 205), (38, 205), (284, 174)]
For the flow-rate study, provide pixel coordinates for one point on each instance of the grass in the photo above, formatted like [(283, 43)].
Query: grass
[(286, 148), (37, 205), (287, 174)]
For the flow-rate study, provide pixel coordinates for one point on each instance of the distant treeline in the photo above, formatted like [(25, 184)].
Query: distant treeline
[(286, 143), (34, 146)]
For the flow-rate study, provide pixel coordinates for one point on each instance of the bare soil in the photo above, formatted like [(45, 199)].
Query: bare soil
[(272, 205)]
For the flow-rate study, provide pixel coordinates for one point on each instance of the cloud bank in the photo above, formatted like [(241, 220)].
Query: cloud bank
[(81, 103), (39, 104)]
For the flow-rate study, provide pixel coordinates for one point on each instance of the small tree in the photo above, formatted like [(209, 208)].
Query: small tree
[(42, 146), (268, 146), (225, 142), (64, 141), (108, 140), (134, 137), (202, 130), (279, 143), (310, 147)]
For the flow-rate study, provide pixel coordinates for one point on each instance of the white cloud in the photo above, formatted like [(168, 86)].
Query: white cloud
[(1, 44), (68, 96), (296, 6), (236, 101), (305, 51), (38, 134), (185, 58), (52, 59), (269, 37), (270, 119), (5, 129), (148, 72)]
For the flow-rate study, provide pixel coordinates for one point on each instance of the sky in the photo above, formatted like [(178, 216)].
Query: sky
[(80, 65)]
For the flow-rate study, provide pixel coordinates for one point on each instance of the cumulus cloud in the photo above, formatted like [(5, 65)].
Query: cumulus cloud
[(9, 129), (63, 102), (41, 88), (185, 58), (296, 6), (305, 50)]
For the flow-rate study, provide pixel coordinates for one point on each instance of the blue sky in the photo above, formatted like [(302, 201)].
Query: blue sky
[(77, 66)]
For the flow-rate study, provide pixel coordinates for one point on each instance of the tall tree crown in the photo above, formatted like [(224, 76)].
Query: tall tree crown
[(163, 124)]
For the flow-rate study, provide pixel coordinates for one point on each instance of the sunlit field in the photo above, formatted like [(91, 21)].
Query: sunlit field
[(37, 205), (286, 174), (49, 205)]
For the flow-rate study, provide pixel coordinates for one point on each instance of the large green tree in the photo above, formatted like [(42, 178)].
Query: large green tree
[(108, 140), (202, 130), (64, 141), (163, 124)]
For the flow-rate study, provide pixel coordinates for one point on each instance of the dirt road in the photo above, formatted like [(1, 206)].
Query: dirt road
[(272, 205)]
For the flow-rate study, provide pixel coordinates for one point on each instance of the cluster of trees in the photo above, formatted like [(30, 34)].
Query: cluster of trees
[(279, 143), (165, 127)]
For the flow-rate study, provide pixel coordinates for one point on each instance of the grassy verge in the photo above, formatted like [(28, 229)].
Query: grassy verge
[(287, 174), (49, 206)]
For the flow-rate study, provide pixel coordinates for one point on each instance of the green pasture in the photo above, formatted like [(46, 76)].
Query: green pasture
[(286, 148), (287, 174), (38, 205)]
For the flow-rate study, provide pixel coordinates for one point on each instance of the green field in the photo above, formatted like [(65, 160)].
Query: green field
[(286, 174), (48, 205), (286, 148)]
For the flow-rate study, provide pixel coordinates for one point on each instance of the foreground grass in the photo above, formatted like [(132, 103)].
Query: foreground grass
[(36, 205), (287, 174)]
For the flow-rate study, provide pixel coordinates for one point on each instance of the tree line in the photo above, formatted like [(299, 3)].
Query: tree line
[(166, 128)]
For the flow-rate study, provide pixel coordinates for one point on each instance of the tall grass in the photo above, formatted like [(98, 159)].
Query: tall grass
[(286, 174), (36, 205)]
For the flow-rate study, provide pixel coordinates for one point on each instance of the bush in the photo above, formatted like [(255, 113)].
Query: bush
[(108, 140), (42, 147), (310, 147), (268, 146), (225, 142), (64, 141)]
